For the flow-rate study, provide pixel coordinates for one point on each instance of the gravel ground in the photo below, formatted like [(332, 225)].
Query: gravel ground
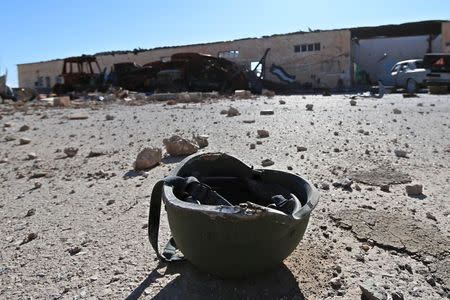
[(75, 228)]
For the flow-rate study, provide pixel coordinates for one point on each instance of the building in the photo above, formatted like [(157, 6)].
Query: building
[(341, 58)]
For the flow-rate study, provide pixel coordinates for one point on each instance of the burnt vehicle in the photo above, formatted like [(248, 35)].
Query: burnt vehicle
[(81, 74), (192, 72), (438, 75), (5, 91)]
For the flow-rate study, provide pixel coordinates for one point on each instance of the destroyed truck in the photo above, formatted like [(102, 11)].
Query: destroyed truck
[(192, 72), (81, 74)]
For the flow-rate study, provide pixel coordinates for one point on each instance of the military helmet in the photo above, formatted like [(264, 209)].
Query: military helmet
[(229, 219)]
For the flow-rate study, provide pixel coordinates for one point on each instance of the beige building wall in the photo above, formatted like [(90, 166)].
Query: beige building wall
[(446, 37), (322, 68), (41, 73)]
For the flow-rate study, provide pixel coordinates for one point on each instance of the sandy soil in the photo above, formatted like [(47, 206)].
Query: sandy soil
[(75, 228)]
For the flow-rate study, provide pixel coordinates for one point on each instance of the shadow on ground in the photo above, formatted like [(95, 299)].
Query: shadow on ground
[(189, 283)]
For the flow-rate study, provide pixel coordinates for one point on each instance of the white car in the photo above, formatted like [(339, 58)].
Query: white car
[(409, 74)]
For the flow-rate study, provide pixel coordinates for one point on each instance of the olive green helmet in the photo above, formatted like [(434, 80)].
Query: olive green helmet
[(229, 219)]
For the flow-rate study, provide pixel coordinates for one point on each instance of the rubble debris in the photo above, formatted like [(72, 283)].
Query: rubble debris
[(74, 250), (109, 117), (31, 156), (148, 158), (301, 149), (262, 133), (282, 102), (252, 146), (382, 175), (401, 153), (30, 212), (352, 102), (266, 112), (370, 291), (249, 121), (24, 128), (70, 151), (309, 107), (232, 112), (24, 141), (414, 190), (397, 111), (242, 94), (30, 237), (96, 153), (201, 140), (267, 162), (345, 183), (78, 116), (178, 146), (62, 101)]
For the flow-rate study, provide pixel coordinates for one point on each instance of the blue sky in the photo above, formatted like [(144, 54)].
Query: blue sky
[(48, 29)]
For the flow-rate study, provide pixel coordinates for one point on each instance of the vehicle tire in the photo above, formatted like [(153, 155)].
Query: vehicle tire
[(411, 86)]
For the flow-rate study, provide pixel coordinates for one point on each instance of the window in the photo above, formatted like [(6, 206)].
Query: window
[(310, 47), (317, 47), (304, 47), (258, 70), (297, 48), (229, 54)]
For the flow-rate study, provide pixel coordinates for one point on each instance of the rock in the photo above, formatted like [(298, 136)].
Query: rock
[(385, 188), (78, 116), (31, 156), (7, 125), (397, 296), (309, 107), (249, 121), (301, 149), (372, 292), (74, 250), (290, 168), (110, 202), (431, 216), (10, 138), (282, 102), (96, 153), (352, 102), (243, 94), (262, 133), (24, 141), (224, 112), (201, 140), (414, 190), (37, 185), (336, 283), (252, 146), (24, 128), (178, 146), (30, 212), (63, 101), (148, 158), (70, 151), (109, 117), (3, 160), (38, 175), (344, 183), (232, 112), (397, 111), (30, 237), (400, 153), (267, 162), (266, 112), (325, 186)]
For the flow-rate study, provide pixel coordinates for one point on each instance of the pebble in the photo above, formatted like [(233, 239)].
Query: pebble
[(252, 146), (24, 128), (414, 190), (301, 149), (24, 141), (400, 153), (232, 112), (30, 212), (266, 112), (248, 121), (267, 162), (282, 102), (31, 156), (309, 107), (109, 117), (262, 133), (397, 111), (385, 188), (70, 151)]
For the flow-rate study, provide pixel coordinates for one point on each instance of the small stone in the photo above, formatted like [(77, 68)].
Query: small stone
[(201, 140), (282, 102), (325, 186), (24, 128), (397, 111), (414, 190), (352, 102), (178, 146), (365, 247), (252, 146), (74, 250), (30, 212), (248, 121), (301, 149), (266, 112), (70, 151), (267, 162), (290, 168), (96, 153), (109, 117), (30, 237), (31, 156), (24, 141), (430, 280), (397, 296), (309, 107), (258, 142), (262, 133), (372, 292), (10, 138), (385, 188), (400, 153), (224, 112), (233, 112), (336, 283), (78, 116), (431, 216), (110, 202), (37, 185), (148, 158)]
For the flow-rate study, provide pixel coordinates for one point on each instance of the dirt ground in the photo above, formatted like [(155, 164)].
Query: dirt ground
[(76, 228)]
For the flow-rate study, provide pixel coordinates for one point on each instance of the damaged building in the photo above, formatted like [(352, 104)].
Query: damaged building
[(332, 59)]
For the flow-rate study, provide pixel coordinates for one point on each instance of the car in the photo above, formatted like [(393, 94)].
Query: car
[(438, 75), (409, 75)]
